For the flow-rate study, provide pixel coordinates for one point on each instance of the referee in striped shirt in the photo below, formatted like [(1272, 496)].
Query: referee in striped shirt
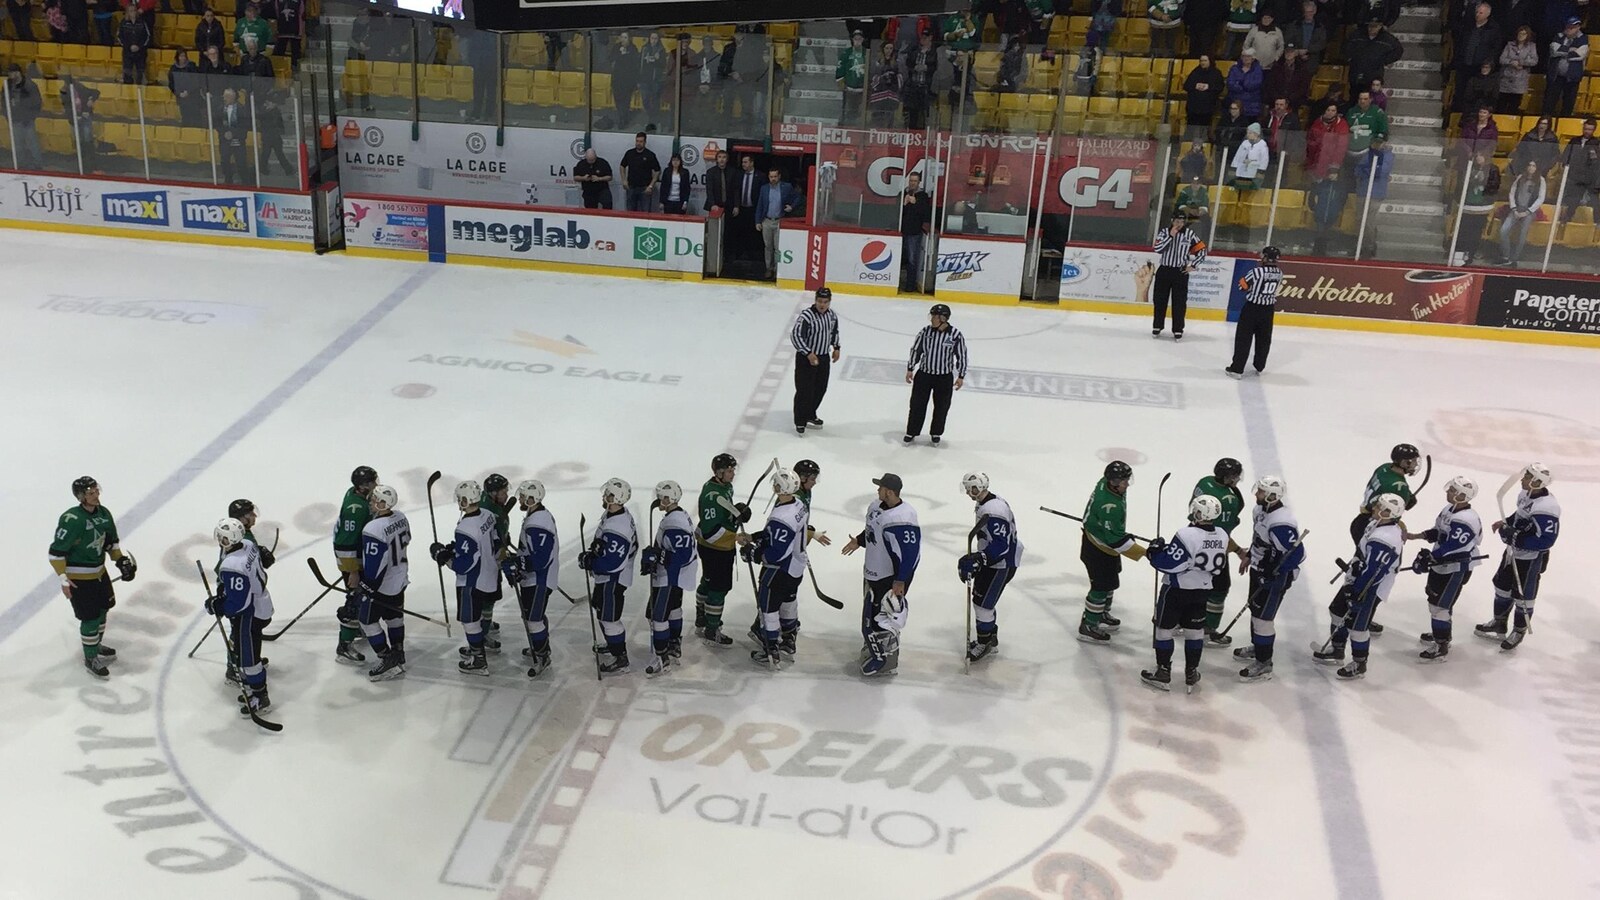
[(938, 364), (1261, 286), (1181, 250), (816, 344)]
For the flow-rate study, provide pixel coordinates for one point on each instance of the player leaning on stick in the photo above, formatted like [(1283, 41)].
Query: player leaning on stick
[(1105, 542), (385, 575), (1389, 478), (993, 562), (1455, 534), (1222, 484), (717, 534), (85, 534), (1528, 535), (1275, 557), (354, 514)]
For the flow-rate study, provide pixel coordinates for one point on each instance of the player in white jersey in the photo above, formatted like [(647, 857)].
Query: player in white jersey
[(472, 558), (1528, 535), (243, 598), (781, 549), (1455, 534), (1275, 557), (385, 574), (992, 565), (609, 558), (1189, 564), (1366, 584), (536, 567), (894, 547), (673, 567)]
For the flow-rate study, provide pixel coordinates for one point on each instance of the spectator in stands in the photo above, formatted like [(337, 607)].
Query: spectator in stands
[(593, 176), (269, 128), (1366, 122), (1372, 173), (1539, 146), (851, 76), (1194, 164), (1513, 14), (554, 45), (1370, 54), (188, 89), (134, 36), (884, 97), (233, 128), (1242, 16), (25, 106), (1265, 40), (641, 169), (1564, 70), (1194, 200), (77, 101), (1203, 92), (710, 85), (1326, 141), (1337, 95), (1478, 41), (1040, 14), (1552, 18), (683, 69), (1012, 76), (1204, 20), (1482, 89), (1280, 125), (1250, 161), (252, 24), (652, 78), (1244, 84), (1479, 135), (624, 79), (1380, 97), (1230, 130), (1385, 11), (105, 15), (77, 13), (777, 200), (214, 72), (1290, 80), (21, 18), (1103, 16), (963, 80), (1483, 185), (1309, 35), (209, 33), (675, 186), (1582, 159), (916, 90), (1165, 17), (55, 18), (748, 78), (251, 63), (1326, 198), (961, 33), (1517, 60), (291, 30), (1522, 207), (916, 217)]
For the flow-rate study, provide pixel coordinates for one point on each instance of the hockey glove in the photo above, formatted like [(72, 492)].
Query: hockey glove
[(967, 567), (267, 559), (649, 561), (755, 549), (743, 513), (357, 596), (1432, 534), (511, 568), (586, 560), (443, 554), (213, 605), (1157, 545), (1508, 533), (128, 566), (1423, 562)]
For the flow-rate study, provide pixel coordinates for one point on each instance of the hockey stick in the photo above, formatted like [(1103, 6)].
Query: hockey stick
[(966, 654), (1057, 512), (233, 654), (203, 637), (334, 586), (325, 592), (1500, 495), (1155, 594), (594, 634), (1426, 474), (444, 602), (818, 588), (1299, 539)]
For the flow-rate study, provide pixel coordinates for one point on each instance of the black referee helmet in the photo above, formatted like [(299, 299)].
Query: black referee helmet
[(1270, 254), (824, 293), (939, 309)]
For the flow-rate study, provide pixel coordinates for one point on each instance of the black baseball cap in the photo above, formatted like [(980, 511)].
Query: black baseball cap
[(890, 481)]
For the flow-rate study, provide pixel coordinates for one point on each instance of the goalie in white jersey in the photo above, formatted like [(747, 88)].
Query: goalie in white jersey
[(1189, 565), (385, 574), (1366, 584), (674, 567), (243, 598), (992, 565), (535, 570), (1528, 534), (894, 547), (1455, 534), (472, 557), (781, 549)]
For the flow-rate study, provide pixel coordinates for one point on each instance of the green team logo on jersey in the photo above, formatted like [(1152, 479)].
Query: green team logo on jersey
[(650, 244)]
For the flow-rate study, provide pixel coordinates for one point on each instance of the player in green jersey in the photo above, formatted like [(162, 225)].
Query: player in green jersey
[(354, 513), (717, 533), (1389, 478), (810, 473), (1222, 484), (497, 500), (1105, 543), (85, 535)]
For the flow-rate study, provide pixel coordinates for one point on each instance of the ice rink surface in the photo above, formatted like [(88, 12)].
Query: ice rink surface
[(183, 377)]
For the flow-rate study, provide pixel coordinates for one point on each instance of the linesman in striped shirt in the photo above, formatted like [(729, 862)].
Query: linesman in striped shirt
[(816, 344), (1261, 286), (1181, 250), (938, 364)]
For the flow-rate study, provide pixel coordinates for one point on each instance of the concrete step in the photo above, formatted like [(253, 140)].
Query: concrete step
[(1416, 65), (1429, 123)]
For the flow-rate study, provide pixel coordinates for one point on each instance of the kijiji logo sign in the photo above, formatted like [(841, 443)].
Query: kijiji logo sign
[(140, 208), (60, 201), (230, 214)]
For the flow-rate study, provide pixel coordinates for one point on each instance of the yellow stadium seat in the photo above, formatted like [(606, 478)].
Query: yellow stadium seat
[(435, 88), (600, 91), (569, 92), (544, 87)]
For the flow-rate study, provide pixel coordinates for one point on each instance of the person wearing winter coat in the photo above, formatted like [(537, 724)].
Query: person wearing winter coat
[(1309, 34), (1363, 11), (652, 78), (1326, 141), (1280, 126), (1522, 207), (1290, 79), (1370, 54), (1203, 20), (1202, 93), (1326, 199), (1194, 164), (1564, 69), (1517, 60), (1374, 168), (883, 97), (1478, 40), (1482, 89), (26, 104), (1166, 19), (21, 18), (1483, 185), (134, 36), (1582, 159), (1230, 130), (1194, 200), (291, 29), (1265, 39), (1478, 135), (1244, 84), (1242, 15), (188, 88), (209, 32), (1012, 76), (1539, 146), (1250, 161)]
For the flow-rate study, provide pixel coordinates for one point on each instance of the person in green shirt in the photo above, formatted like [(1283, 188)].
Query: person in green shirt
[(1222, 484), (1389, 478), (354, 513), (1367, 121), (85, 535), (1195, 199), (851, 75), (1105, 543), (252, 24), (497, 500), (717, 533)]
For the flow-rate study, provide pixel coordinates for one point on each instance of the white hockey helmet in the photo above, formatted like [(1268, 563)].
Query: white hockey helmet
[(616, 491), (1537, 475), (383, 498), (975, 484), (1271, 487), (1205, 508), (468, 494), (1460, 486), (228, 532), (530, 493), (668, 493), (785, 481), (1388, 508)]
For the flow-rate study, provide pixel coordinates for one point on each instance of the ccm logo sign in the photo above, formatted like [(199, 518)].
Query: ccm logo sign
[(1086, 187), (816, 260)]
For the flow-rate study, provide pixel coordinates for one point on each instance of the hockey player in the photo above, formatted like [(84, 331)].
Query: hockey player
[(810, 473), (1366, 584), (538, 560), (1222, 484), (717, 535), (1386, 479), (497, 500), (780, 547), (1189, 563), (385, 574), (1455, 534), (894, 546), (85, 534), (245, 511), (1275, 557), (354, 513), (243, 598), (1528, 535), (471, 557), (609, 558), (1104, 544), (992, 565), (673, 567)]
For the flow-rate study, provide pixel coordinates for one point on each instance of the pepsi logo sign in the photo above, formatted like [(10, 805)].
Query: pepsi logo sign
[(875, 255)]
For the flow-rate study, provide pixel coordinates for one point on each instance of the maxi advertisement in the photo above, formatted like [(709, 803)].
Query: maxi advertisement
[(175, 210)]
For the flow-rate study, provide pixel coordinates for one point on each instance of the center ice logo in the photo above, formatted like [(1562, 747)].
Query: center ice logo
[(231, 214), (650, 244)]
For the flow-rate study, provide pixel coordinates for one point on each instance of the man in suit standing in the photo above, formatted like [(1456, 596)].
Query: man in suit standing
[(722, 184), (233, 126), (743, 226), (777, 199)]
